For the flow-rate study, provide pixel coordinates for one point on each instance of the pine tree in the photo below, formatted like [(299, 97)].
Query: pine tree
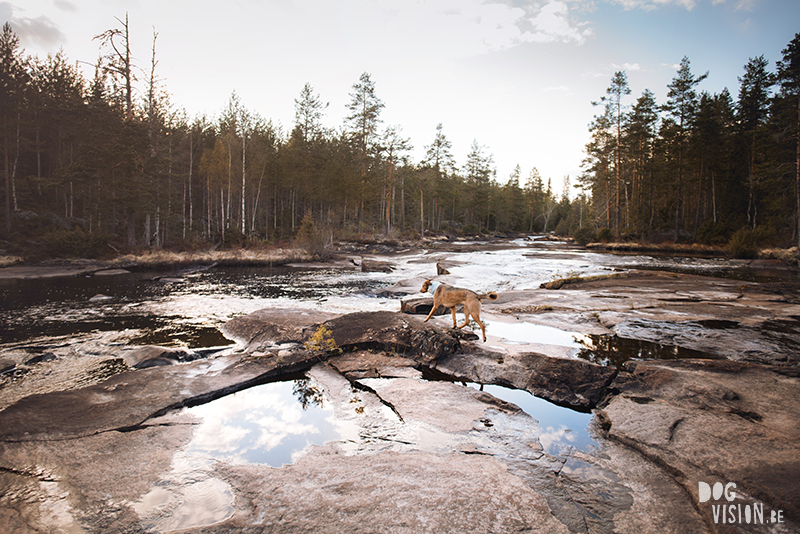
[(613, 101), (752, 108), (365, 109), (682, 106), (789, 79), (12, 86)]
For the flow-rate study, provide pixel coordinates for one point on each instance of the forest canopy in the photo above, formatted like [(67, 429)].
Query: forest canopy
[(92, 165)]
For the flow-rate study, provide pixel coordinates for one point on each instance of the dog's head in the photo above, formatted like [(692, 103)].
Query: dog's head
[(425, 285)]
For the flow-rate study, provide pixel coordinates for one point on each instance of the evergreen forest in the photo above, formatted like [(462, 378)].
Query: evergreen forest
[(93, 166)]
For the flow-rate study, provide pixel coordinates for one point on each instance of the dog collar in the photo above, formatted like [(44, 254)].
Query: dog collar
[(433, 287)]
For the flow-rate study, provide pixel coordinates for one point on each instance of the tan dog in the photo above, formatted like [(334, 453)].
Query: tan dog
[(450, 297)]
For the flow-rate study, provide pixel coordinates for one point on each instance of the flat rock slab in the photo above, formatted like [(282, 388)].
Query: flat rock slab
[(389, 492), (714, 421), (127, 400)]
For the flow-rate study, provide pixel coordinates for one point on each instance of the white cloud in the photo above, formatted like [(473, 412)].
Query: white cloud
[(648, 5), (746, 5), (553, 23), (451, 28), (32, 31), (64, 5)]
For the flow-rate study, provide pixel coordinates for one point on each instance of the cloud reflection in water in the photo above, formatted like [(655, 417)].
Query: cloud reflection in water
[(265, 424)]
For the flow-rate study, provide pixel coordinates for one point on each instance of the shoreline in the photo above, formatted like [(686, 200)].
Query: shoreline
[(14, 267)]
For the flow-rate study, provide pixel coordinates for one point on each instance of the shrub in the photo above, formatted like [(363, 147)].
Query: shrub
[(76, 244), (322, 341), (309, 238), (744, 243), (469, 229), (585, 235), (605, 235)]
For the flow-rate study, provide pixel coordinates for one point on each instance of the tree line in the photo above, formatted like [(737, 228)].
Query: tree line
[(701, 166), (111, 160), (92, 165)]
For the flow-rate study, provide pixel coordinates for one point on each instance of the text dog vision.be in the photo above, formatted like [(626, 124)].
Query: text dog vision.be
[(734, 513)]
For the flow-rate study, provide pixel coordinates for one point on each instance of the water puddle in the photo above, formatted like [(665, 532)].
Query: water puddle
[(615, 351), (272, 424), (560, 428), (523, 333), (602, 349)]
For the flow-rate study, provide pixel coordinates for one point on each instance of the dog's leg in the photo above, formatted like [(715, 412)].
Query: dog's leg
[(466, 318), (434, 307), (474, 310), (453, 309), (470, 306), (483, 329)]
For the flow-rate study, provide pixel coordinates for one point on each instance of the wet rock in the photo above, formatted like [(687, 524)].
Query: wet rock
[(374, 266), (100, 297), (269, 327), (389, 492), (127, 400), (6, 365), (370, 364), (714, 421), (111, 272), (154, 356), (567, 382)]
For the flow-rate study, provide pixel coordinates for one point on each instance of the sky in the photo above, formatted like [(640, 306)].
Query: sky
[(516, 76)]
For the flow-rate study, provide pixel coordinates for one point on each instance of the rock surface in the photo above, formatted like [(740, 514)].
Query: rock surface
[(421, 455), (714, 421)]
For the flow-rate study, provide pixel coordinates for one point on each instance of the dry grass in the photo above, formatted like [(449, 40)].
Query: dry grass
[(673, 248), (786, 255), (239, 257), (8, 261)]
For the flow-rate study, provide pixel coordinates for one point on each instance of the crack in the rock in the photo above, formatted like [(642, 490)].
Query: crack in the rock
[(363, 387)]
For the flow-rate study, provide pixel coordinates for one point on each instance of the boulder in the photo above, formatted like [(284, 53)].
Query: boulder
[(394, 332), (421, 306), (373, 266), (273, 326), (46, 357)]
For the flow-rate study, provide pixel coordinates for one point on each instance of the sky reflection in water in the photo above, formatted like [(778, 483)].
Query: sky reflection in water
[(266, 424), (559, 428)]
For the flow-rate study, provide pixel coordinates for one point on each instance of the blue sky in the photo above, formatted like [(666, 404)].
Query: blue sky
[(516, 76)]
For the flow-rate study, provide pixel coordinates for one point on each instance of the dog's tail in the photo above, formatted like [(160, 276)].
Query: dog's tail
[(491, 295)]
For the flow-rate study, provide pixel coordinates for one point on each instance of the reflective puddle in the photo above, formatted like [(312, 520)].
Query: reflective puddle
[(271, 424), (521, 333), (605, 350), (559, 428)]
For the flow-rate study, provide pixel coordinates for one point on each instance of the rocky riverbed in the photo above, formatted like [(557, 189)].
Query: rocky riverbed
[(707, 443)]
